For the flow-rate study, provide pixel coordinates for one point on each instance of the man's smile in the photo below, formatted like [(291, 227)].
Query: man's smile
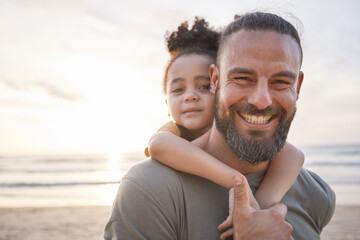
[(256, 119)]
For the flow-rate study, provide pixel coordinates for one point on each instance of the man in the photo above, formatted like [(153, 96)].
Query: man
[(257, 80)]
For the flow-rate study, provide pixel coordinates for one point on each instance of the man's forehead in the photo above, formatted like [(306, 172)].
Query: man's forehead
[(259, 41)]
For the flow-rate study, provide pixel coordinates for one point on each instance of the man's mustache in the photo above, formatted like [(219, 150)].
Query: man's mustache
[(253, 110)]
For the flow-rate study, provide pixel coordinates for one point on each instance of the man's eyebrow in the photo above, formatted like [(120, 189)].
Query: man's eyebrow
[(285, 74), (241, 70)]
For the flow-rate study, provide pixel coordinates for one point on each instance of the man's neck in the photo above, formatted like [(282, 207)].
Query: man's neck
[(214, 143)]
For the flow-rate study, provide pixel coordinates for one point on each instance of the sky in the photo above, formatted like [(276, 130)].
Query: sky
[(84, 76)]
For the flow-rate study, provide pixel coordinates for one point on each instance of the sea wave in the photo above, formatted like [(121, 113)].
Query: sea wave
[(336, 164), (328, 163), (61, 184)]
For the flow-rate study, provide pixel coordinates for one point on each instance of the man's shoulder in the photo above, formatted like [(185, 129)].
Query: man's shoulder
[(147, 204), (150, 169), (312, 184), (312, 198), (315, 188), (153, 177)]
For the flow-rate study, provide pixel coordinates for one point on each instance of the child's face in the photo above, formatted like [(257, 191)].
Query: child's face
[(188, 93)]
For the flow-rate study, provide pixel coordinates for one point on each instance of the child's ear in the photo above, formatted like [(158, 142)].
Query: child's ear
[(167, 106), (214, 77)]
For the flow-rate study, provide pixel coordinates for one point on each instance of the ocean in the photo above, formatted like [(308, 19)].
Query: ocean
[(85, 180)]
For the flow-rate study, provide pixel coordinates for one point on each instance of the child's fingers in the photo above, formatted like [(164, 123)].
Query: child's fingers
[(231, 200), (227, 234), (253, 202), (225, 224)]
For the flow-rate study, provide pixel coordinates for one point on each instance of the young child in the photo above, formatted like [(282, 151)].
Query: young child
[(191, 105)]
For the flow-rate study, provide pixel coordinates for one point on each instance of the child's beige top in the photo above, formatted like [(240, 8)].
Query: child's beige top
[(170, 127)]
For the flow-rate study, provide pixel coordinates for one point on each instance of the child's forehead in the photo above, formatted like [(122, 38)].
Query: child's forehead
[(189, 66), (192, 59), (198, 79)]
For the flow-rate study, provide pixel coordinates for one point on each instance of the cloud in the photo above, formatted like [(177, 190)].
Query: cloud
[(48, 87), (27, 104), (57, 91), (13, 84)]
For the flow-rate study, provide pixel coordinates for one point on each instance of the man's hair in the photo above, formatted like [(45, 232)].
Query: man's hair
[(258, 21), (199, 39)]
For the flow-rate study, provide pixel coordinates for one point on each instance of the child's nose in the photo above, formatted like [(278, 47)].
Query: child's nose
[(191, 96)]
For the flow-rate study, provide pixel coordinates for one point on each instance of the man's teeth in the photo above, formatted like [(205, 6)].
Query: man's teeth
[(256, 119)]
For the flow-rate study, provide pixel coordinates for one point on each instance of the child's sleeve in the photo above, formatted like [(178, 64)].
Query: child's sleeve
[(170, 127)]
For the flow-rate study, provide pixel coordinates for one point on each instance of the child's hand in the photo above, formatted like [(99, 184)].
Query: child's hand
[(227, 224), (253, 202)]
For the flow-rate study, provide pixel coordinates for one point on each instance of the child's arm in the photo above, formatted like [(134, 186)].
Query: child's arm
[(181, 155), (282, 172)]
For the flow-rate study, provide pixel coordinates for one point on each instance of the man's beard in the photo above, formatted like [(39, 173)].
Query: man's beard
[(254, 148)]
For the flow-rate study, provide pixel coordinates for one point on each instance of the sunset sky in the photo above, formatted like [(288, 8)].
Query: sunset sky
[(85, 76)]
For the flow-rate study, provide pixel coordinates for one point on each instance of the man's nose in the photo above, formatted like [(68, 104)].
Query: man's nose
[(260, 95), (190, 95)]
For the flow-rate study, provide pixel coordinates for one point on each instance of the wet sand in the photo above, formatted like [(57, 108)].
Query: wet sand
[(87, 223)]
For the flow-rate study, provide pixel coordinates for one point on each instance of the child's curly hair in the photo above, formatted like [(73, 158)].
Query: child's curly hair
[(200, 39), (200, 36)]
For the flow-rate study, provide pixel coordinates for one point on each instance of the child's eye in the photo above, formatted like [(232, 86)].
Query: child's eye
[(177, 90), (205, 87)]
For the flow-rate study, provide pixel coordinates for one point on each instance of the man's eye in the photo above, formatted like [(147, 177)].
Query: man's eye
[(242, 78), (281, 82), (205, 87)]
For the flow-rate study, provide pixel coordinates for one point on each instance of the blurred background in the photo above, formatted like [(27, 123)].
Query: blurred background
[(80, 91)]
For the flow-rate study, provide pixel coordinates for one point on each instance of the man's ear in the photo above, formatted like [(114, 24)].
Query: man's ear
[(214, 77), (299, 83)]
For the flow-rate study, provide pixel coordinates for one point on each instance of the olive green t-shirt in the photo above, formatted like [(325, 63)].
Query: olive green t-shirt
[(157, 202)]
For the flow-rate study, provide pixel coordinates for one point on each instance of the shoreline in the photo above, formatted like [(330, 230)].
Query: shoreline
[(88, 222)]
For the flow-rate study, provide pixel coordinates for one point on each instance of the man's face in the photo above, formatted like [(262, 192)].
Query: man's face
[(257, 85)]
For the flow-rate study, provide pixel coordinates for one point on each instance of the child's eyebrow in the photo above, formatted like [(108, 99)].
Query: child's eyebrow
[(197, 78), (202, 77), (175, 80)]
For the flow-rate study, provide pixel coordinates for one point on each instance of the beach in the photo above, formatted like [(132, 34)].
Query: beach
[(58, 223), (70, 197), (87, 223)]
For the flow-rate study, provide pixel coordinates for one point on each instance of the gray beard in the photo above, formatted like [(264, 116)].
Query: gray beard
[(255, 148)]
